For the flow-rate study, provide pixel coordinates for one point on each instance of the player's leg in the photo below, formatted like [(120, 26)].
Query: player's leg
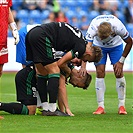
[(53, 84), (52, 87), (1, 69), (100, 89), (42, 77), (14, 108), (115, 55), (100, 83), (25, 81), (3, 57)]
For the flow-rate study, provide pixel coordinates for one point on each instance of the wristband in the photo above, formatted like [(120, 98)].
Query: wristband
[(13, 25), (122, 59)]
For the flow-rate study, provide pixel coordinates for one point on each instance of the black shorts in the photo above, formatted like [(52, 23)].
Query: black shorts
[(39, 46), (25, 81)]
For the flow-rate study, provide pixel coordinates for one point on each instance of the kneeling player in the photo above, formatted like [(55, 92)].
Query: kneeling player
[(25, 81)]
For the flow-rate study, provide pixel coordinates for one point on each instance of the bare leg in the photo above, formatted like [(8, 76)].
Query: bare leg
[(1, 69)]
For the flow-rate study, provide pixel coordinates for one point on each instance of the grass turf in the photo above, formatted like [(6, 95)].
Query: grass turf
[(82, 104)]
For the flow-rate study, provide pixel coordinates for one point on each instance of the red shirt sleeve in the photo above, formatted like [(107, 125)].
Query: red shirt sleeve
[(10, 3)]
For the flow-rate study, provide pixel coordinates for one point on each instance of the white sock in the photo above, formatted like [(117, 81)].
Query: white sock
[(45, 106), (52, 107), (121, 90), (0, 104), (39, 104), (100, 90)]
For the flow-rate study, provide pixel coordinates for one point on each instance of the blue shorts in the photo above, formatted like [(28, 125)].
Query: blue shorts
[(20, 47), (114, 55)]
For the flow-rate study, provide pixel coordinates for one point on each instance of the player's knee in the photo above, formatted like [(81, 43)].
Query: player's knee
[(100, 73)]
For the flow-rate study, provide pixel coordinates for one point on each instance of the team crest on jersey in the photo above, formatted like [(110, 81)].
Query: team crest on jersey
[(3, 3), (3, 51)]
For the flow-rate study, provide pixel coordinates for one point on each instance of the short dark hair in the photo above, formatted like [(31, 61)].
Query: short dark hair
[(88, 81)]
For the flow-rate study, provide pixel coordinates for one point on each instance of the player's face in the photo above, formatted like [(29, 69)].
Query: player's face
[(76, 80)]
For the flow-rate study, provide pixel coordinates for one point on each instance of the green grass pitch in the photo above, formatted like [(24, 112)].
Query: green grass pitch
[(82, 104)]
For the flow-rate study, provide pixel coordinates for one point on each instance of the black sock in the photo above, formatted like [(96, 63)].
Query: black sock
[(53, 85), (42, 87), (14, 108)]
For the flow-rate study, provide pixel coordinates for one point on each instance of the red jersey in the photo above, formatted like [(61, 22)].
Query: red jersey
[(4, 15)]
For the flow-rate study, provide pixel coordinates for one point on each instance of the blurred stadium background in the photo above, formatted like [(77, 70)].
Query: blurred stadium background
[(78, 13)]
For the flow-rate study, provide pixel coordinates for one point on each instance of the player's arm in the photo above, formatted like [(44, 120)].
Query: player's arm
[(82, 70), (124, 34), (13, 27), (119, 65), (62, 97), (129, 43), (62, 63)]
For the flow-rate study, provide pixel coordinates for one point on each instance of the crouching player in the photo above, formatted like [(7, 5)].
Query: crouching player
[(25, 81)]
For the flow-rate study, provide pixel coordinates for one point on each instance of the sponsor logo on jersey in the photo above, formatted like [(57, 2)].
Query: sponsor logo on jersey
[(3, 3)]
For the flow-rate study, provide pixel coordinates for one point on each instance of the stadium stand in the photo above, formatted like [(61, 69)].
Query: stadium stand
[(35, 16), (23, 15), (71, 8)]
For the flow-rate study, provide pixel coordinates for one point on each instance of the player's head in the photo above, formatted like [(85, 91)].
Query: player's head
[(104, 30), (80, 81), (92, 54)]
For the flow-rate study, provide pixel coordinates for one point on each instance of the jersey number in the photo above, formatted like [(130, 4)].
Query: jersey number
[(77, 33)]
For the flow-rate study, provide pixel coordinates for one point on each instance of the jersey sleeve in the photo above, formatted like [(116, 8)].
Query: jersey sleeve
[(79, 49), (91, 32), (10, 3), (121, 30)]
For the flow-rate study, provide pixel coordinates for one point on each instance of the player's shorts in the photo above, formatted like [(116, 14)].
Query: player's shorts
[(3, 54), (25, 81), (38, 47), (114, 55)]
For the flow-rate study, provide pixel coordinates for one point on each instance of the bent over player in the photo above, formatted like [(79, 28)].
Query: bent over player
[(41, 44), (108, 32)]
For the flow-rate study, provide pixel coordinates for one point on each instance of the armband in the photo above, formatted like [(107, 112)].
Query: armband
[(13, 25), (122, 59)]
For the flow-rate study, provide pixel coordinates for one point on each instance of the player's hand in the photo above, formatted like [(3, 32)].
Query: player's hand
[(68, 111), (15, 35), (118, 68), (82, 71)]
